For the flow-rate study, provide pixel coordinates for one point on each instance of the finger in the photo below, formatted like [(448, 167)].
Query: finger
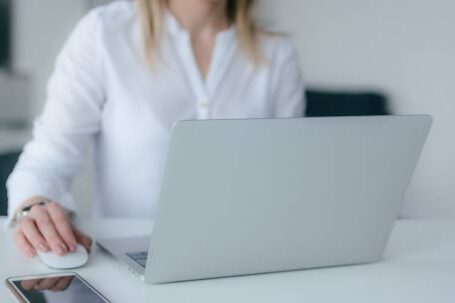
[(24, 245), (62, 284), (30, 284), (83, 239), (47, 283), (32, 234), (48, 230), (62, 224)]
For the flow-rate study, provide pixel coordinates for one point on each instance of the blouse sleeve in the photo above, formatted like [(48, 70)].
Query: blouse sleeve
[(287, 82), (67, 126)]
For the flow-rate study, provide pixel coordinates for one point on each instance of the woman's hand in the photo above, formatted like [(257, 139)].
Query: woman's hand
[(48, 227)]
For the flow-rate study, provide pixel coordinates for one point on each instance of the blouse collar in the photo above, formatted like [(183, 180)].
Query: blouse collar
[(176, 29)]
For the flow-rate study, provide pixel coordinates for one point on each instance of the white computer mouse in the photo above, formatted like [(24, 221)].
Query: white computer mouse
[(70, 260)]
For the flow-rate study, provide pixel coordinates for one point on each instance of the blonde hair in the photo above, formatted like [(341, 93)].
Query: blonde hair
[(238, 12)]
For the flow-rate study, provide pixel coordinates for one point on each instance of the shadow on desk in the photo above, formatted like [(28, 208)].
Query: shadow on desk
[(414, 248)]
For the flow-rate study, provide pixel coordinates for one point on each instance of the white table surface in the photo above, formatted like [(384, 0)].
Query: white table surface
[(418, 266)]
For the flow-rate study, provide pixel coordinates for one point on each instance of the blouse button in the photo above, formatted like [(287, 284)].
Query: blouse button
[(203, 103)]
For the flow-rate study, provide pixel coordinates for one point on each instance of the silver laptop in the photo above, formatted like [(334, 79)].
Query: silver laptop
[(266, 195)]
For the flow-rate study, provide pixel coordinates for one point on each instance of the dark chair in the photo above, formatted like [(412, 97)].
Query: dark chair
[(7, 162), (321, 103)]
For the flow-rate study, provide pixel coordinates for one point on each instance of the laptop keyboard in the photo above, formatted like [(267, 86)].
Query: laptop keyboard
[(139, 257)]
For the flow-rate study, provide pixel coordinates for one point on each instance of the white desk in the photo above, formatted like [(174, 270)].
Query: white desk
[(418, 266)]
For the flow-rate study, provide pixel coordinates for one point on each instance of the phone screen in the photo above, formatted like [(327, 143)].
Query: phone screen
[(57, 289)]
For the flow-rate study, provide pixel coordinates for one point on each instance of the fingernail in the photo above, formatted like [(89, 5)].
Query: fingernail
[(64, 247), (43, 247), (31, 253), (59, 250), (73, 247)]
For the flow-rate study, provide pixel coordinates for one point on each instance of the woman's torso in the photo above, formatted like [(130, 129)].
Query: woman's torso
[(142, 103)]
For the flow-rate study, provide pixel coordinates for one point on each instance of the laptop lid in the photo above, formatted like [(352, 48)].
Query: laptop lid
[(264, 195)]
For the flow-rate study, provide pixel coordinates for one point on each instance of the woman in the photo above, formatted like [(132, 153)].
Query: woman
[(128, 72)]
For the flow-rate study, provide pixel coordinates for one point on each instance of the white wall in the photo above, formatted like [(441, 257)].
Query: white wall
[(40, 28), (14, 98), (406, 48)]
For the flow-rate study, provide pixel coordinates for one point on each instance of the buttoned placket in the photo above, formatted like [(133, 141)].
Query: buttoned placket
[(204, 90)]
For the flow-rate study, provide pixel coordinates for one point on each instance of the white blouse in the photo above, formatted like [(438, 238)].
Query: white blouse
[(102, 93)]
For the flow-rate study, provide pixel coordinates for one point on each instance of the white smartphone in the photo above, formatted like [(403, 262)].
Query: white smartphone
[(53, 288)]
